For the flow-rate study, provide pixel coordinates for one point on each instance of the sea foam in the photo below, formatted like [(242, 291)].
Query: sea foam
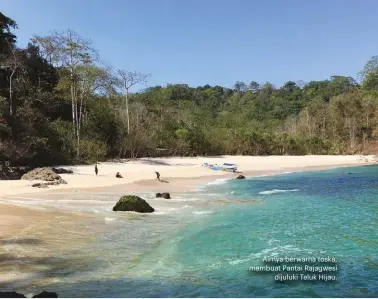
[(277, 191), (202, 212), (109, 219), (219, 182)]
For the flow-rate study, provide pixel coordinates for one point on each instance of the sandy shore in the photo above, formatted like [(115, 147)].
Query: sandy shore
[(181, 173), (16, 220), (33, 243), (21, 228)]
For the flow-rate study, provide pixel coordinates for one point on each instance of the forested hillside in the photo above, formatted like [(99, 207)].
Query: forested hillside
[(59, 105)]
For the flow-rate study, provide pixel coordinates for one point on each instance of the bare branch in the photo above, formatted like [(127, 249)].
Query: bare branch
[(66, 49), (127, 79)]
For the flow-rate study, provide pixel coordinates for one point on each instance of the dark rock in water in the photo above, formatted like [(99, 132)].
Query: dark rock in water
[(166, 195), (240, 177), (45, 294), (61, 170), (133, 203), (11, 295)]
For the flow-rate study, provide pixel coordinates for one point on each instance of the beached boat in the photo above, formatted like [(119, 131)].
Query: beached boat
[(225, 167), (229, 167)]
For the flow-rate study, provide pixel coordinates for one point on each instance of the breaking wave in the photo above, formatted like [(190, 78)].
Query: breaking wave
[(277, 191)]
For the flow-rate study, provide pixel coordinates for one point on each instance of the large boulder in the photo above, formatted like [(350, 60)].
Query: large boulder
[(41, 174), (240, 177), (133, 203)]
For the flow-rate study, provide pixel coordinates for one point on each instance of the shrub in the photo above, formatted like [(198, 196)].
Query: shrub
[(92, 150)]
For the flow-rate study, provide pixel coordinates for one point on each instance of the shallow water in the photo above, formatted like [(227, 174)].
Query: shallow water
[(202, 244)]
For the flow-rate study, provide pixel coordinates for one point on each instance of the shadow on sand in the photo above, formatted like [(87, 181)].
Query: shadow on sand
[(162, 163), (37, 267), (23, 241)]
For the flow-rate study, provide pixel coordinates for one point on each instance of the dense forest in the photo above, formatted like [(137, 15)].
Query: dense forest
[(59, 105)]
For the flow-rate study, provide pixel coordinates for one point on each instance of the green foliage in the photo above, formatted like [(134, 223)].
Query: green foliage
[(371, 81), (7, 37), (70, 112), (63, 133), (92, 150), (181, 134)]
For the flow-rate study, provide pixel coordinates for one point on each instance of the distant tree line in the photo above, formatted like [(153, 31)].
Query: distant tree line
[(59, 105)]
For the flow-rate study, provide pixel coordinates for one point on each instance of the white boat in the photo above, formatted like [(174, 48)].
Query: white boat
[(225, 167), (229, 167)]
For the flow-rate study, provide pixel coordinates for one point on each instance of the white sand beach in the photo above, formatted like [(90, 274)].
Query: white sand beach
[(54, 216), (183, 174), (141, 172)]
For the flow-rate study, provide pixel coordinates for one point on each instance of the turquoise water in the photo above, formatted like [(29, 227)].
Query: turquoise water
[(206, 251), (329, 213)]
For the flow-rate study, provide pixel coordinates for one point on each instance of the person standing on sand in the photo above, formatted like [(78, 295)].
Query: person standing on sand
[(157, 175), (96, 169)]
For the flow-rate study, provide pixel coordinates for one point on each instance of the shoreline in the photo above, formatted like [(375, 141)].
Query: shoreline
[(188, 185), (23, 226), (175, 185), (181, 173)]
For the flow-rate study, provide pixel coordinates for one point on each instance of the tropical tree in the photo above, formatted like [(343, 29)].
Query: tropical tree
[(125, 80)]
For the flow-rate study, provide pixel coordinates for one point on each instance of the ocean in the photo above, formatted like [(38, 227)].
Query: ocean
[(202, 244)]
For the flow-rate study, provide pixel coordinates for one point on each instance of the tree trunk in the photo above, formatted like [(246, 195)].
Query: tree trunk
[(72, 95), (161, 125), (334, 133), (127, 112), (79, 121), (77, 132), (11, 93), (74, 107)]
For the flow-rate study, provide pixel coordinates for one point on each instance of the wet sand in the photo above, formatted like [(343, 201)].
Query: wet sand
[(36, 243)]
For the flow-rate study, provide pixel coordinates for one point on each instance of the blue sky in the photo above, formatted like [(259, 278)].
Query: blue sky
[(214, 42)]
